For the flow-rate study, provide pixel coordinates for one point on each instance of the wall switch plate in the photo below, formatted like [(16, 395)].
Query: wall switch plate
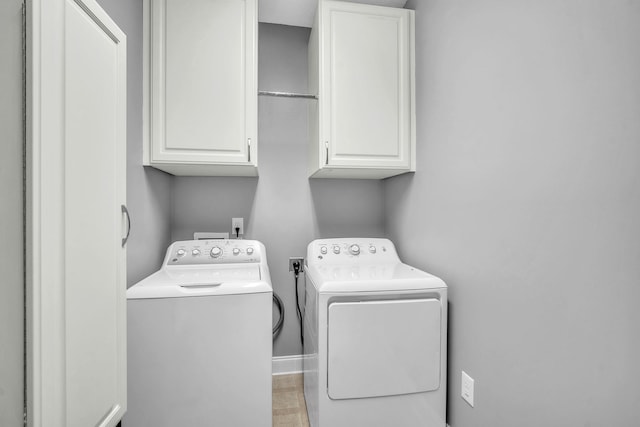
[(237, 223), (466, 388), (298, 259)]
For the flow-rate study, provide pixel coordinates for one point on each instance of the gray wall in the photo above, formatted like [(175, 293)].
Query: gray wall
[(148, 190), (527, 202), (282, 208), (11, 212)]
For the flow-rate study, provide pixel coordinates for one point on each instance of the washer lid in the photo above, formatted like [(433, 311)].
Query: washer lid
[(371, 278), (200, 281)]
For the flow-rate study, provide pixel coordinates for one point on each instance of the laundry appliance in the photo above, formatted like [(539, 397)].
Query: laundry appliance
[(200, 338), (375, 338)]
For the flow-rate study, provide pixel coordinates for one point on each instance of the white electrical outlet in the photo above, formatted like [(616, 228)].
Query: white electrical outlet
[(239, 224), (466, 388)]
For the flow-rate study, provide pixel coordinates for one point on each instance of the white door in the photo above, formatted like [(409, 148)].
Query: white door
[(76, 141), (383, 348), (367, 85)]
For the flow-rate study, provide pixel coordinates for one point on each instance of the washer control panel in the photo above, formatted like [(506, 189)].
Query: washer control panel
[(216, 251), (351, 250)]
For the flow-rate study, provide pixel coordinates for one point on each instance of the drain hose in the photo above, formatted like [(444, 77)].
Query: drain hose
[(278, 326)]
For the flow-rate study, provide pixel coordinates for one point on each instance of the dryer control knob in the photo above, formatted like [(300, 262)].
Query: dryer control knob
[(236, 251), (216, 252), (336, 249), (195, 252), (323, 250), (181, 252), (372, 249), (354, 250), (249, 250)]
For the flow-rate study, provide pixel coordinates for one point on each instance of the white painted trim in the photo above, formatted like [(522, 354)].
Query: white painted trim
[(146, 81), (287, 364)]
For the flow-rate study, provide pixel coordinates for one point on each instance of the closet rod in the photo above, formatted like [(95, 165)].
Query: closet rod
[(287, 94)]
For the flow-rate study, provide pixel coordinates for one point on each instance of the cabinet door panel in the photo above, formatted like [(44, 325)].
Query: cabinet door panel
[(202, 81), (367, 86), (196, 75)]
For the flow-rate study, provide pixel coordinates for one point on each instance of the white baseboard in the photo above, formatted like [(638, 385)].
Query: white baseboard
[(282, 365)]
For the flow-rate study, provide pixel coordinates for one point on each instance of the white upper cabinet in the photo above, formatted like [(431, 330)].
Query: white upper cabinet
[(361, 65), (201, 82)]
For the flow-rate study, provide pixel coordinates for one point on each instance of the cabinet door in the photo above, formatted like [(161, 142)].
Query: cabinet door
[(366, 85), (76, 306), (203, 104)]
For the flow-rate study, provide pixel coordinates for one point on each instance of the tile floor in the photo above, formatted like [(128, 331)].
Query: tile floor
[(289, 409)]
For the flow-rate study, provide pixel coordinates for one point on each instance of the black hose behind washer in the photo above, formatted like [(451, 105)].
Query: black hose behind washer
[(278, 326)]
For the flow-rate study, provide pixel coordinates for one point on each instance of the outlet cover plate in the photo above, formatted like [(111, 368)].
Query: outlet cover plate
[(466, 388), (237, 222), (294, 259)]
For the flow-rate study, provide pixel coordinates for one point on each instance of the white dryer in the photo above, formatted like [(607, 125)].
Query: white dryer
[(200, 338), (375, 338)]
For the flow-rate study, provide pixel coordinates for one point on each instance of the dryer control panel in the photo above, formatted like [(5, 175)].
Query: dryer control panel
[(215, 251), (351, 250)]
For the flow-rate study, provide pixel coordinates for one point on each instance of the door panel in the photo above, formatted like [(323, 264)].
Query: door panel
[(203, 88), (383, 348), (367, 62), (193, 121), (92, 209), (76, 183), (365, 103)]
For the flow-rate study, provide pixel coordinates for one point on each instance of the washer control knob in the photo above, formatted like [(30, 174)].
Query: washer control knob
[(216, 252), (236, 251), (249, 251), (354, 249), (323, 250), (336, 249), (181, 252), (195, 252), (372, 249)]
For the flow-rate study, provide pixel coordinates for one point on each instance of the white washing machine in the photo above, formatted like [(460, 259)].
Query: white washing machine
[(200, 338), (375, 338)]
